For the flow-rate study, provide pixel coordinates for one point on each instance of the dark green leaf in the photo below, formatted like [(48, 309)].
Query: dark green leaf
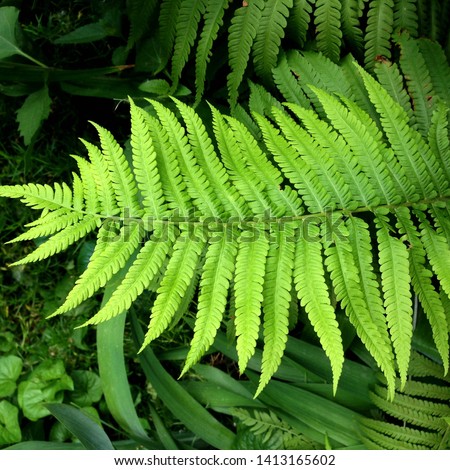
[(90, 434)]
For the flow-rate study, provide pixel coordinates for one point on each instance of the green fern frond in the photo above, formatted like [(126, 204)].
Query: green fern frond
[(180, 270), (395, 280), (242, 33), (188, 19), (248, 287), (163, 219), (168, 16), (421, 281), (214, 284), (139, 13), (271, 30), (110, 255), (405, 16), (313, 294), (351, 13), (388, 74), (328, 25), (348, 288), (438, 68), (418, 80), (411, 150), (395, 437), (287, 84), (422, 407), (277, 298), (146, 266), (213, 18), (299, 20), (122, 178), (438, 137), (380, 21)]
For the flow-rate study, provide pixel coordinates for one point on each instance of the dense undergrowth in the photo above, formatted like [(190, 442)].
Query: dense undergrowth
[(286, 114)]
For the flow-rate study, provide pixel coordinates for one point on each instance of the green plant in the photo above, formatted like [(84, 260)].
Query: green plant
[(418, 417), (292, 217)]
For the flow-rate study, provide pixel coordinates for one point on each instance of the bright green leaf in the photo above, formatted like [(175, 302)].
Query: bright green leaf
[(45, 384), (34, 110), (9, 423), (10, 369)]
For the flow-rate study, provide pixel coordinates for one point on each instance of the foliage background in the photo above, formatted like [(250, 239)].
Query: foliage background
[(85, 45)]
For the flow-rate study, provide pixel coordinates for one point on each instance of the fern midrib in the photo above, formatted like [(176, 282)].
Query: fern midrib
[(280, 220)]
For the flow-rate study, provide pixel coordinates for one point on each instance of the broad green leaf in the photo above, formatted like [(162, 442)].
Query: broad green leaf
[(8, 39), (34, 110), (90, 434), (45, 384), (10, 369), (87, 388), (9, 423)]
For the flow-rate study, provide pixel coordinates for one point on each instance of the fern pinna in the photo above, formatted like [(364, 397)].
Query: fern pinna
[(422, 407), (335, 205)]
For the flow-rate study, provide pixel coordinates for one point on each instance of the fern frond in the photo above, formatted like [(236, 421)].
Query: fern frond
[(174, 187), (122, 178), (299, 20), (313, 293), (351, 12), (337, 149), (205, 154), (110, 255), (144, 164), (418, 81), (196, 181), (40, 196), (421, 281), (395, 437), (405, 16), (438, 68), (105, 190), (287, 84), (296, 169), (60, 222), (328, 26), (271, 30), (188, 19), (60, 241), (395, 280), (346, 280), (242, 33), (316, 158), (281, 201), (367, 150), (139, 13), (421, 167), (248, 286), (389, 76), (142, 272), (250, 188), (380, 21), (213, 17), (176, 280), (277, 297), (214, 284), (438, 138), (89, 185), (168, 20), (438, 251)]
